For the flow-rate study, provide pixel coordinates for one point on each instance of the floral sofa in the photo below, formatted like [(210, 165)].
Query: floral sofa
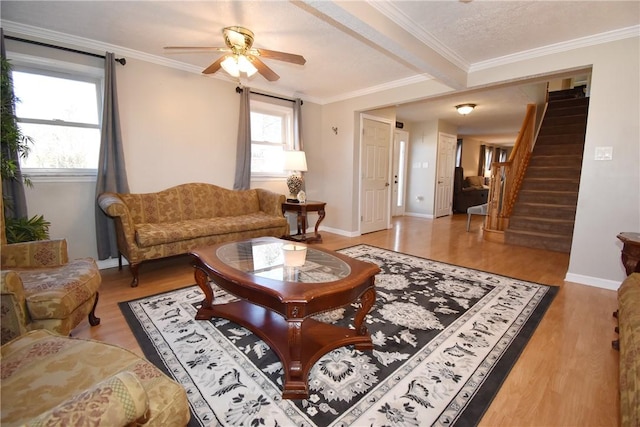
[(629, 346), (49, 379), (176, 220)]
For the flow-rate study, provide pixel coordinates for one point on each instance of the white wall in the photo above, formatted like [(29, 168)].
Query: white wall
[(423, 146)]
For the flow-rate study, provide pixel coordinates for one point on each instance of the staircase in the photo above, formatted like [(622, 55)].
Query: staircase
[(545, 209)]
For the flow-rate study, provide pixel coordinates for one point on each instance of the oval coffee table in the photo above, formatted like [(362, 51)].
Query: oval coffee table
[(277, 301)]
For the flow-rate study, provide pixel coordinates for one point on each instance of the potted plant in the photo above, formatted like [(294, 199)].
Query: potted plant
[(12, 140)]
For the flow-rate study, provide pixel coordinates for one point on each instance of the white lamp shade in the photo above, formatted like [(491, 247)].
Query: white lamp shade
[(295, 161), (236, 64)]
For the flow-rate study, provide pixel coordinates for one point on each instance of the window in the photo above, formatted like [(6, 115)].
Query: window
[(61, 113), (271, 135)]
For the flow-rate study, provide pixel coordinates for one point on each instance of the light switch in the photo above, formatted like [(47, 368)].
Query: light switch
[(604, 153)]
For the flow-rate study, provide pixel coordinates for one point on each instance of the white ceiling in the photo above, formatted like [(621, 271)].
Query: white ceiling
[(351, 47)]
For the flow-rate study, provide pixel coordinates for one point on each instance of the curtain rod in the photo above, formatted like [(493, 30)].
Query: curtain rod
[(122, 61), (239, 90)]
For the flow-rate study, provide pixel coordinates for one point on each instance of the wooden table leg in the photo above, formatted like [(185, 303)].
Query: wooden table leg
[(366, 302), (295, 382), (205, 312)]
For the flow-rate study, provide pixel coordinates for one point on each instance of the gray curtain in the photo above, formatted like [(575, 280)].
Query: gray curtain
[(15, 205), (297, 132), (297, 125), (112, 174), (242, 180)]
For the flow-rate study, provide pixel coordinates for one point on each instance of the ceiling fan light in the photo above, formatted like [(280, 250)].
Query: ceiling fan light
[(465, 109), (235, 65), (245, 66), (230, 65)]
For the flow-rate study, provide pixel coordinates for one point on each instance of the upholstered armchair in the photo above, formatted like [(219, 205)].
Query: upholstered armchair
[(41, 289), (50, 380)]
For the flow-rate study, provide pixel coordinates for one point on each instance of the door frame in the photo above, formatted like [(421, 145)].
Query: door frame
[(391, 124)]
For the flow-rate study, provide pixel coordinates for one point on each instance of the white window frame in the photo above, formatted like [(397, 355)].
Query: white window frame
[(287, 115), (65, 70)]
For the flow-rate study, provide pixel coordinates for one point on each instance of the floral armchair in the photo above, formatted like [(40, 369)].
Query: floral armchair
[(41, 289), (50, 380)]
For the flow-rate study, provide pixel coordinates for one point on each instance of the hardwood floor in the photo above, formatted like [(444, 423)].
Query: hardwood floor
[(567, 374)]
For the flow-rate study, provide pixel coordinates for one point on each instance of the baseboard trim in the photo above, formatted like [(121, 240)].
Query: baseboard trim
[(338, 231), (592, 281), (419, 215), (110, 263)]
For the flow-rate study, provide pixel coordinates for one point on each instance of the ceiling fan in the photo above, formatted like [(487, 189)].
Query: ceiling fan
[(241, 57)]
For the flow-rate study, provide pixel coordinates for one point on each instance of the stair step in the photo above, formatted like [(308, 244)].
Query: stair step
[(543, 225), (548, 197), (565, 120), (573, 93), (572, 129), (570, 102), (550, 184), (552, 172), (546, 210), (569, 139), (568, 160), (548, 241), (565, 147)]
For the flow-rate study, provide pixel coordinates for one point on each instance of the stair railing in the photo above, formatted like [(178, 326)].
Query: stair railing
[(506, 177)]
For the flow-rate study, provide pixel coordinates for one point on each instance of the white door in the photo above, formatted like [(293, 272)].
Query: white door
[(374, 184), (399, 173), (446, 164)]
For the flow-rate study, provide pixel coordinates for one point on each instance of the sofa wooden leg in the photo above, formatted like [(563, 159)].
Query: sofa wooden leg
[(93, 320), (134, 271)]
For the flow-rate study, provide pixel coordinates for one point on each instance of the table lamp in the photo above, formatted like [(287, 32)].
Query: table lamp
[(295, 162)]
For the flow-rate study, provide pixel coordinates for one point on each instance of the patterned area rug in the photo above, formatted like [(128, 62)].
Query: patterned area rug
[(445, 338)]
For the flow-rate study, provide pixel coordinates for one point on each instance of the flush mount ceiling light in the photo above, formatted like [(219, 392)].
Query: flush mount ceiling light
[(465, 109)]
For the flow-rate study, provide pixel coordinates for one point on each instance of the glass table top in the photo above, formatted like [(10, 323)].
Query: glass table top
[(284, 261)]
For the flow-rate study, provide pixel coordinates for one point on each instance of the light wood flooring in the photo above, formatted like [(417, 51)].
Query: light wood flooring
[(567, 374)]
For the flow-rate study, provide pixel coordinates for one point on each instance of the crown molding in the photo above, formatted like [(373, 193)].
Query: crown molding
[(610, 36), (93, 46)]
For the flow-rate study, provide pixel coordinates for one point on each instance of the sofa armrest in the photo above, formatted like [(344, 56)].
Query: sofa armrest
[(112, 205), (270, 202), (39, 253), (119, 400), (14, 316)]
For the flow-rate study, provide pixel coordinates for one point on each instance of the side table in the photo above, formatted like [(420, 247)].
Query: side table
[(630, 251), (302, 209)]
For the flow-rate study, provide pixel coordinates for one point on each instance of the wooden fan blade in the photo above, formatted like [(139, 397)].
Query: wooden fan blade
[(267, 72), (281, 56), (215, 66), (197, 48)]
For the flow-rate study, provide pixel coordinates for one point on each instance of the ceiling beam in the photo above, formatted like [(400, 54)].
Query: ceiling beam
[(376, 25)]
